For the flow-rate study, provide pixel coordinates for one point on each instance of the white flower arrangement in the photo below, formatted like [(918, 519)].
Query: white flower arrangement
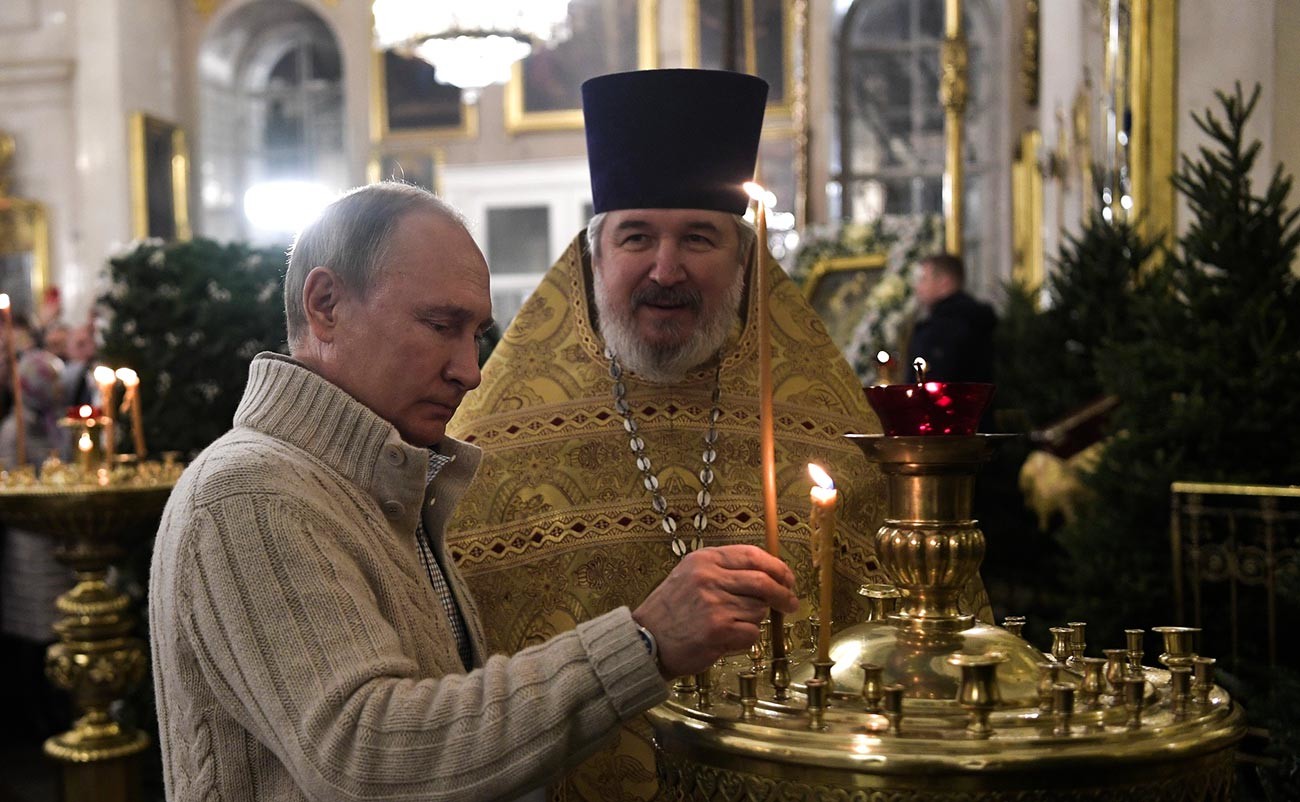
[(890, 305)]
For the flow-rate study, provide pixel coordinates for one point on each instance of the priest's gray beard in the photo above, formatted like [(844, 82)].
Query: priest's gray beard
[(666, 364)]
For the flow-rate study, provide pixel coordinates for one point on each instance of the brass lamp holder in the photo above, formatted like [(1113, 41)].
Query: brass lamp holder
[(925, 703), (90, 513)]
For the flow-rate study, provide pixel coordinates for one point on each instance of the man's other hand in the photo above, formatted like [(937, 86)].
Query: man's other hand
[(711, 604)]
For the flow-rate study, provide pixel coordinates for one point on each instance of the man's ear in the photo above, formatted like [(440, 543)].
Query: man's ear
[(322, 293)]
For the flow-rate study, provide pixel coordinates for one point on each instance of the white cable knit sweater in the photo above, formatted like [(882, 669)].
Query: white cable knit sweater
[(299, 651)]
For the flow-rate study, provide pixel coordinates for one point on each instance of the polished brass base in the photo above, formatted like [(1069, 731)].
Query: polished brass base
[(96, 659), (94, 740), (1207, 778), (770, 752)]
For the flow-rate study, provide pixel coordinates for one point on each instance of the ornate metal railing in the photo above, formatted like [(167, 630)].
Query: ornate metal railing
[(1235, 548)]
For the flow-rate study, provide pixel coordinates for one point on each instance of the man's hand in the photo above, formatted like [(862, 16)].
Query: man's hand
[(711, 605)]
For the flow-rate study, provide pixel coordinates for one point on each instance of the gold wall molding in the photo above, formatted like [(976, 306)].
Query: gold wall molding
[(24, 225), (205, 8), (1153, 98), (1030, 53), (1027, 212), (802, 119)]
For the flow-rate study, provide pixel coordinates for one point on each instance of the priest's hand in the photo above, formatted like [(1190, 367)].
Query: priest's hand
[(711, 605)]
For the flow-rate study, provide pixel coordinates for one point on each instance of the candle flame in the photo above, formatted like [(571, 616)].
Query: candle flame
[(920, 366), (85, 410), (4, 300), (129, 377), (820, 476), (84, 443), (760, 193), (883, 357), (104, 375)]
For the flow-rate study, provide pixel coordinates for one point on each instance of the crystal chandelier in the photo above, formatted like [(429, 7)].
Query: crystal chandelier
[(472, 43)]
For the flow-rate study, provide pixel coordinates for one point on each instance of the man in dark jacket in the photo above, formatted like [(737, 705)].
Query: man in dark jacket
[(955, 331)]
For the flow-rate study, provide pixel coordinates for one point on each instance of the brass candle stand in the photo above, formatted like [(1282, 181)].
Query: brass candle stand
[(925, 703), (90, 513)]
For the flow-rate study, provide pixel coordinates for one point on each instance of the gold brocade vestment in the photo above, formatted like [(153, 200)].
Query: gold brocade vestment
[(557, 526)]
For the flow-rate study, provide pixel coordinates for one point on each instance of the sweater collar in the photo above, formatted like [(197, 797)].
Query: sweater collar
[(290, 402)]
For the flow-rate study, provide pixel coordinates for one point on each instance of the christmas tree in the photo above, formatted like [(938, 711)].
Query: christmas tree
[(1047, 359), (189, 317), (1210, 391), (1210, 383)]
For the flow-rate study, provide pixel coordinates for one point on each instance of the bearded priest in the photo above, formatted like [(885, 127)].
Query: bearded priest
[(619, 414)]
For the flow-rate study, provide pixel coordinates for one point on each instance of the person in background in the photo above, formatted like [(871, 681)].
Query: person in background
[(78, 366), (30, 577), (54, 338), (23, 341), (954, 333)]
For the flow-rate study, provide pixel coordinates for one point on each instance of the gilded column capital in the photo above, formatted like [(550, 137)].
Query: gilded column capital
[(954, 87)]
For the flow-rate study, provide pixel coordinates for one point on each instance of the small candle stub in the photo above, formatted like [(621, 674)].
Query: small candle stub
[(885, 367)]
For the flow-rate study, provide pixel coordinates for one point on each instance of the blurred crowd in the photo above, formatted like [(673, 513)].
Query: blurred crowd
[(54, 362)]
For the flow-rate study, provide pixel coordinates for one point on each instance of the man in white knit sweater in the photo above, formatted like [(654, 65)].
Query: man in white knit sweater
[(310, 639)]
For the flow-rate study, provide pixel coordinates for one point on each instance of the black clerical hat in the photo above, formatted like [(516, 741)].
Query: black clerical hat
[(672, 139)]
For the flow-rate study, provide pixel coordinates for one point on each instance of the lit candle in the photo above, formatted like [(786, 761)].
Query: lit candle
[(766, 431), (107, 381), (11, 353), (767, 436), (131, 400), (84, 446), (822, 521)]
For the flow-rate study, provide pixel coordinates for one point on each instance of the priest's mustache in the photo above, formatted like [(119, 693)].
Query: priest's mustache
[(655, 295)]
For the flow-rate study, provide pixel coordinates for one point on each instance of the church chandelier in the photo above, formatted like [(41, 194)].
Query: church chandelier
[(472, 45)]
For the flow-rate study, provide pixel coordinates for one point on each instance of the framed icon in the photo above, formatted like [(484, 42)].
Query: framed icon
[(770, 29), (545, 90), (410, 103), (837, 288), (160, 169)]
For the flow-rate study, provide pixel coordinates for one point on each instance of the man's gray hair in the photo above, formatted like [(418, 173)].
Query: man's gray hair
[(748, 236), (351, 238)]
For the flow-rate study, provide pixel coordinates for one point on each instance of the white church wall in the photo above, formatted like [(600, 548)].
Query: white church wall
[(72, 76), (1064, 34), (126, 63), (36, 108), (1218, 45)]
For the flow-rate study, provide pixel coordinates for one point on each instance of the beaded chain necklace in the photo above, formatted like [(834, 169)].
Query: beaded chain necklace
[(658, 503)]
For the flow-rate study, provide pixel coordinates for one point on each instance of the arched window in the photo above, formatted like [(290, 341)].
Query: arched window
[(271, 108), (888, 158)]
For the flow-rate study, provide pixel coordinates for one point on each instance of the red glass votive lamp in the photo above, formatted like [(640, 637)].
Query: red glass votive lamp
[(84, 412), (930, 408)]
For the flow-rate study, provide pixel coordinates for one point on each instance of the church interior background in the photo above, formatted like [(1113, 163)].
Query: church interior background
[(1037, 138)]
